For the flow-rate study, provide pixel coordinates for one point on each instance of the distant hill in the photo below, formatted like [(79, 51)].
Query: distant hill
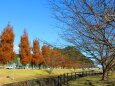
[(74, 54)]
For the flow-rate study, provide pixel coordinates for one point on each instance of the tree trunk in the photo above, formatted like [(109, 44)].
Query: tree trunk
[(39, 66), (104, 75), (33, 66)]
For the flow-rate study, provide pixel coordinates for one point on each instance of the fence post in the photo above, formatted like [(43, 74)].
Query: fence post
[(75, 75), (59, 81), (67, 78), (64, 79), (82, 74), (71, 77), (86, 73)]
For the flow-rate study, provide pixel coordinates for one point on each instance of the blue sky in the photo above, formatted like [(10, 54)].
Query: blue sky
[(32, 15)]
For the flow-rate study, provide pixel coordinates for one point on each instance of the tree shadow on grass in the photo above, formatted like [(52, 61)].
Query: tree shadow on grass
[(111, 83), (89, 83), (108, 83)]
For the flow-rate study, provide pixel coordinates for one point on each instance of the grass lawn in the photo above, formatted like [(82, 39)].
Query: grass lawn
[(7, 75), (93, 81)]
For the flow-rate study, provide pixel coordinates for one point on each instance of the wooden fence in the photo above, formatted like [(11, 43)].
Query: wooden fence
[(55, 81), (65, 78)]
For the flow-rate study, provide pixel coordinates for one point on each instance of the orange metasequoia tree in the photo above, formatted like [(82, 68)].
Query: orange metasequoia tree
[(54, 59), (37, 55), (7, 53), (46, 54), (25, 50)]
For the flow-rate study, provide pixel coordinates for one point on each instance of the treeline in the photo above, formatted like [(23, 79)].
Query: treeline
[(47, 56)]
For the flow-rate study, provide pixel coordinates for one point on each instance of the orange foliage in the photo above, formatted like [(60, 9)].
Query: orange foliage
[(25, 49), (51, 57), (6, 45), (46, 53), (54, 59), (37, 55)]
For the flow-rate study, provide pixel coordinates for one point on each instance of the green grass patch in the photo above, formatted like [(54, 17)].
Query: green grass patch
[(93, 81)]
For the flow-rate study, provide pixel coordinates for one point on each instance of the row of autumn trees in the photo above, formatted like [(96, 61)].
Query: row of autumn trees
[(33, 55)]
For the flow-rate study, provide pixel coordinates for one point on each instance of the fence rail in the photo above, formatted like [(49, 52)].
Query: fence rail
[(65, 78)]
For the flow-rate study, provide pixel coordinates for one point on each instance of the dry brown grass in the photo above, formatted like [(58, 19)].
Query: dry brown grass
[(16, 75)]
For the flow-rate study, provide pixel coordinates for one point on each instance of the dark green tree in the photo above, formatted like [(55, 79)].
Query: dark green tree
[(75, 54)]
